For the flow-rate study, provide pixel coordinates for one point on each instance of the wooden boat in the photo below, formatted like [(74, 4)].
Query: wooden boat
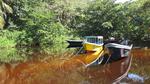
[(91, 46), (91, 50), (91, 43), (116, 51), (94, 52)]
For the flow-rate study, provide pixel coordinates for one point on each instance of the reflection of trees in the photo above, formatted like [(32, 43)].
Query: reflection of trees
[(10, 55)]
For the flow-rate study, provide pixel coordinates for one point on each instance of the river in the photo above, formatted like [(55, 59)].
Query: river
[(134, 69)]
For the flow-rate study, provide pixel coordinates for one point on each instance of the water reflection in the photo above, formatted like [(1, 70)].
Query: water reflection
[(110, 73), (62, 72), (10, 55), (140, 64), (71, 71)]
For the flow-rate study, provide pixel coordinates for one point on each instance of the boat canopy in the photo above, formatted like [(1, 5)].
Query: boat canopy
[(94, 39)]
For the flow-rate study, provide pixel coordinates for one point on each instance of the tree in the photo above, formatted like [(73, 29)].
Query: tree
[(5, 11)]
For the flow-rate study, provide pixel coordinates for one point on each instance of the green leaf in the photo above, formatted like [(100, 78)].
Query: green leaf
[(107, 25)]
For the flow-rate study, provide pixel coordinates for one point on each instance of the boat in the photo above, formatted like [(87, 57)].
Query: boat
[(75, 43), (89, 42), (93, 43), (115, 52), (92, 51)]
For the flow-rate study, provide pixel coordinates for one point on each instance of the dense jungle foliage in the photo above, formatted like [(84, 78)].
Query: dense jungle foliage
[(49, 23)]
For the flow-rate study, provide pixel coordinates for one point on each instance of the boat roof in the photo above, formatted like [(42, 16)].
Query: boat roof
[(93, 36)]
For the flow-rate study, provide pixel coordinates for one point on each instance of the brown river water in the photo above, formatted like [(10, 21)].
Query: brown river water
[(132, 70)]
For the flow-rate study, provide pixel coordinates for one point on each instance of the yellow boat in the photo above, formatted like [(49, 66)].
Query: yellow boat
[(91, 46), (91, 57), (92, 43), (92, 51)]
